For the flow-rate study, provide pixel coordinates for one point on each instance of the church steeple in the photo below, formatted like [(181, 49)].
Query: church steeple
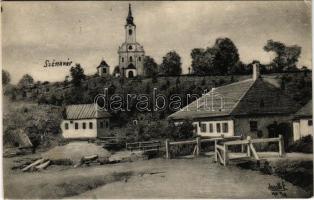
[(129, 19)]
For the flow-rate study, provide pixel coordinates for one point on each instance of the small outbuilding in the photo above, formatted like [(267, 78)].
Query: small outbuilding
[(303, 122), (85, 121)]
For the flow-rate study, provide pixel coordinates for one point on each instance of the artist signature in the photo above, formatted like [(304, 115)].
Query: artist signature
[(278, 190)]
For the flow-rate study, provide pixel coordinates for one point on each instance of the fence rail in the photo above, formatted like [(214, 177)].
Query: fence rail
[(197, 142), (223, 154), (144, 146)]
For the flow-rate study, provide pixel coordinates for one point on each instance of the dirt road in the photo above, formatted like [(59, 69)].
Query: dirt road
[(157, 178)]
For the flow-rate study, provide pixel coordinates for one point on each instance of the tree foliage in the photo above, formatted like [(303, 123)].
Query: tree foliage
[(6, 78), (171, 64), (220, 59), (77, 74), (26, 81), (150, 67), (286, 56)]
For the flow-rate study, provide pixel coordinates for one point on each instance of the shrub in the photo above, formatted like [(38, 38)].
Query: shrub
[(304, 145)]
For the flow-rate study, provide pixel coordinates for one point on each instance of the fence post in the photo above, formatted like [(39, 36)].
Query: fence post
[(248, 138), (198, 144), (281, 146), (216, 156), (225, 155), (167, 149)]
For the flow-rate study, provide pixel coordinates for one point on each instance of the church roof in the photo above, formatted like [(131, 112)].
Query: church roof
[(248, 97), (103, 64), (85, 111), (129, 19)]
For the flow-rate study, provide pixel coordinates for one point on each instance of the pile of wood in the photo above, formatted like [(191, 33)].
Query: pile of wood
[(38, 165)]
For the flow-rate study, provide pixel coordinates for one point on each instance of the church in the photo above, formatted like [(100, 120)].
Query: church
[(131, 53)]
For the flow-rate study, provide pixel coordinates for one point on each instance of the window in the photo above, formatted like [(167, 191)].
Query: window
[(66, 126), (211, 128), (122, 59), (104, 70), (131, 59), (84, 125), (262, 104), (139, 59), (310, 122), (225, 127), (218, 127), (76, 125), (90, 125), (253, 125), (106, 124), (101, 125), (130, 31), (203, 127), (130, 47)]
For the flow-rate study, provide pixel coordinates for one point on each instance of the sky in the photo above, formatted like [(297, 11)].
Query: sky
[(87, 32)]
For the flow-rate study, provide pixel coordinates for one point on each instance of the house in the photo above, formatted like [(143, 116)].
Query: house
[(85, 121), (247, 108), (303, 122)]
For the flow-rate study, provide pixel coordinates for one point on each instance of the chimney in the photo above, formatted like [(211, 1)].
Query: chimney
[(256, 73)]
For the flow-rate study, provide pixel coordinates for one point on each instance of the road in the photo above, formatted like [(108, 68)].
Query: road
[(156, 178)]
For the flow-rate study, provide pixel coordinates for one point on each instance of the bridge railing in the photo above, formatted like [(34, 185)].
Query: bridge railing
[(222, 153)]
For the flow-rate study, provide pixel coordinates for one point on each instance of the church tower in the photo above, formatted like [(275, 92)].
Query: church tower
[(131, 53)]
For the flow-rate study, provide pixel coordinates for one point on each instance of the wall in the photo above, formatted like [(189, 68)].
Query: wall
[(242, 125), (214, 132), (301, 128), (103, 131), (80, 132)]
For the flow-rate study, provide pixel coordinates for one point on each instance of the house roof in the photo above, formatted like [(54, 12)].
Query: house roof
[(85, 111), (103, 64), (305, 111), (248, 97)]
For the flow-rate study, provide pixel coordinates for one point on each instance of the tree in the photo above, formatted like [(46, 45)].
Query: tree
[(221, 59), (26, 81), (77, 74), (227, 55), (171, 64), (286, 56), (6, 78), (150, 67)]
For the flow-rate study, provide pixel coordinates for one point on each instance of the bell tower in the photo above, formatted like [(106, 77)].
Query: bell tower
[(130, 28), (131, 53)]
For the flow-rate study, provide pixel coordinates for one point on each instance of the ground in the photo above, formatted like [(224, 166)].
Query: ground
[(155, 178)]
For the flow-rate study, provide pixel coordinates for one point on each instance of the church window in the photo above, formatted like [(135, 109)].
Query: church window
[(130, 31), (139, 59), (130, 47), (131, 59), (122, 59)]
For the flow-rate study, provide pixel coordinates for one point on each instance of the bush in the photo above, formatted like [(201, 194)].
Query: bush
[(304, 145)]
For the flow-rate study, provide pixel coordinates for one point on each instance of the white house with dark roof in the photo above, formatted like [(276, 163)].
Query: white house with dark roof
[(303, 122), (85, 121), (244, 108)]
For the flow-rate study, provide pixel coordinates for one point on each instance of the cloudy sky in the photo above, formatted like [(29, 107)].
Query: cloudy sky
[(86, 32)]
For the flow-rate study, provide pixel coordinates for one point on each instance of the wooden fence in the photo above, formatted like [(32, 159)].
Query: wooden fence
[(223, 155), (144, 146), (197, 142)]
